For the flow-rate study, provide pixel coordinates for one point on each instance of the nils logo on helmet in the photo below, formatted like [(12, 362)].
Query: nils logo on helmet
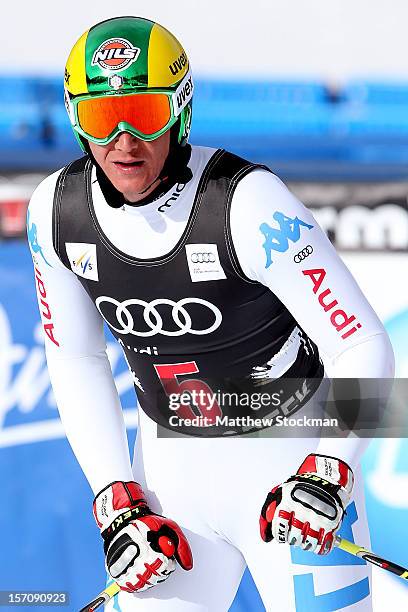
[(115, 54)]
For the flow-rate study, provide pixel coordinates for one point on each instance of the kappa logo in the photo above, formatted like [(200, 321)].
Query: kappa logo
[(82, 259), (277, 239), (308, 250), (36, 248), (115, 54)]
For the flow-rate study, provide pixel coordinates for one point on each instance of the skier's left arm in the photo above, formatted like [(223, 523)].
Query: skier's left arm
[(279, 244), (269, 228)]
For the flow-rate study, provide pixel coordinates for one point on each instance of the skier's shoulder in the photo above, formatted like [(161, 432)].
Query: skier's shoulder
[(255, 186), (42, 198), (40, 216), (261, 188), (252, 174), (260, 198)]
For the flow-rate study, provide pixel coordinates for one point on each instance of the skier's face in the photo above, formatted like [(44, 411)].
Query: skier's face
[(131, 164)]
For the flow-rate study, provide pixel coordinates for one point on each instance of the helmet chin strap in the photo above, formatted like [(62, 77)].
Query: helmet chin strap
[(159, 179)]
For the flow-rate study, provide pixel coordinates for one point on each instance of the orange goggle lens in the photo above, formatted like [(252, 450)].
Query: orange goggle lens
[(147, 113)]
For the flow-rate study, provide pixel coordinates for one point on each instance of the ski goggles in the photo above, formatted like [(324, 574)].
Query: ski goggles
[(144, 114)]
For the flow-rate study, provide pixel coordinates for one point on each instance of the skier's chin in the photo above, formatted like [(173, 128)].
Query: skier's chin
[(132, 165)]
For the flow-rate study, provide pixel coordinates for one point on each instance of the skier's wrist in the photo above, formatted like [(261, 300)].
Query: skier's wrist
[(349, 450), (119, 502), (330, 469)]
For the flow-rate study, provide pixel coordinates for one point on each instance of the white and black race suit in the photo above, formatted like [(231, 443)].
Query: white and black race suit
[(215, 335), (225, 282)]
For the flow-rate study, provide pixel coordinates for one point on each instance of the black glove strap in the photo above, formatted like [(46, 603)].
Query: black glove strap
[(319, 483)]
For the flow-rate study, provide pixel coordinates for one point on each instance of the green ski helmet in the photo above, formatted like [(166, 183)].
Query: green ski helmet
[(128, 74)]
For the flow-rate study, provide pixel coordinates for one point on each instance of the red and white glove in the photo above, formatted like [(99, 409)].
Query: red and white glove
[(307, 510), (141, 547)]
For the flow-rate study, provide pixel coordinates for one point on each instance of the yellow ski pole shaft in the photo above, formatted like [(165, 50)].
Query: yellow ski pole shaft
[(367, 555), (102, 598)]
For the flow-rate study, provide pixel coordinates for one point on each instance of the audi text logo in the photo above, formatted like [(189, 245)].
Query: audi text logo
[(203, 258), (303, 254), (153, 319)]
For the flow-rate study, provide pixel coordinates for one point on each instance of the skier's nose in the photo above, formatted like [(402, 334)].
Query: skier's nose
[(126, 142)]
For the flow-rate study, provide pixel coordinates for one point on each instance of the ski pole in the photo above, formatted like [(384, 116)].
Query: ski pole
[(349, 547), (363, 553), (103, 598)]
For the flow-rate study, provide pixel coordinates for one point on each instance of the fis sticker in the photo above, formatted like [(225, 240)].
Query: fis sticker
[(82, 259), (204, 263), (115, 54)]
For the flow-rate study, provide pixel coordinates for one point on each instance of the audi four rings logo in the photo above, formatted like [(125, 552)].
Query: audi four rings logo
[(303, 254), (153, 319), (203, 257)]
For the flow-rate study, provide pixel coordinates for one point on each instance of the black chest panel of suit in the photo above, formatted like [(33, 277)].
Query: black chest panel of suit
[(182, 338)]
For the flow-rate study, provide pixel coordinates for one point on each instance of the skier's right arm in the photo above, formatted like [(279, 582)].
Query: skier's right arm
[(90, 411), (75, 346)]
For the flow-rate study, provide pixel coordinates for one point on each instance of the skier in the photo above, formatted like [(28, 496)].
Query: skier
[(213, 277)]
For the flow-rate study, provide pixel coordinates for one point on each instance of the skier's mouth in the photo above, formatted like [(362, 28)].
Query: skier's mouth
[(132, 164), (129, 167)]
